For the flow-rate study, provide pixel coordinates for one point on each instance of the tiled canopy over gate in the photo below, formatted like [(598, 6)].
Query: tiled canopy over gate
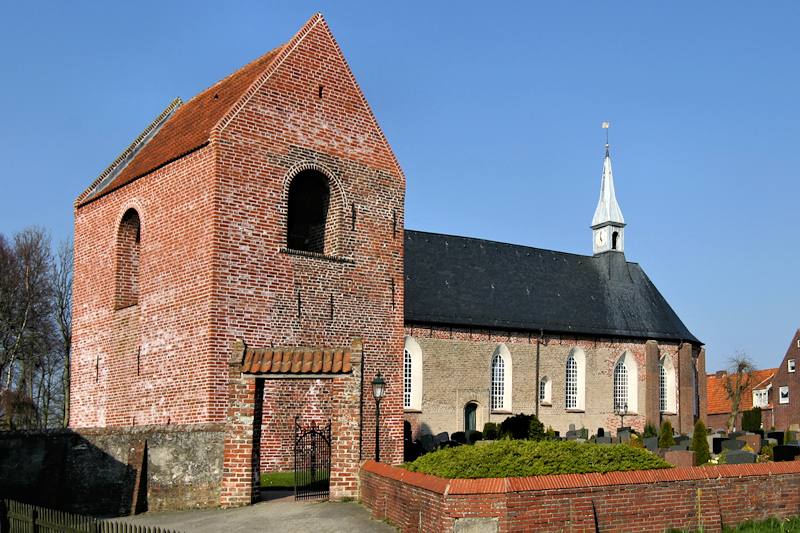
[(297, 361)]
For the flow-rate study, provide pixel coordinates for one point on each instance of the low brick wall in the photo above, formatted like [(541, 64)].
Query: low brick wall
[(653, 500)]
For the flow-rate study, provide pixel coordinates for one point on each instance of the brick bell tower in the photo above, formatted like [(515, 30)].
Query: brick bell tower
[(240, 265)]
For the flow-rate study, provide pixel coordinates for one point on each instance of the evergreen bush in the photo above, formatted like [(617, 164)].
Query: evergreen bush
[(514, 458), (649, 430), (788, 436), (522, 427), (665, 438), (699, 446), (490, 431), (751, 420)]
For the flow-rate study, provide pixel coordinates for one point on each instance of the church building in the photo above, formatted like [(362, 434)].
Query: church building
[(242, 270), (493, 329)]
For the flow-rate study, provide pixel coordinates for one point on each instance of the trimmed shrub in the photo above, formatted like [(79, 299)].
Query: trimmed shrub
[(475, 436), (788, 436), (700, 444), (522, 427), (636, 441), (551, 432), (459, 436), (649, 430), (751, 420), (490, 431), (513, 458), (665, 438)]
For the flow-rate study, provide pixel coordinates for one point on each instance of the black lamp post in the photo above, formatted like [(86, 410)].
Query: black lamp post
[(378, 390), (622, 411)]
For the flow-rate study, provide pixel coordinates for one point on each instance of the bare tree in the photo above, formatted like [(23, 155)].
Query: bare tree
[(739, 379), (62, 313)]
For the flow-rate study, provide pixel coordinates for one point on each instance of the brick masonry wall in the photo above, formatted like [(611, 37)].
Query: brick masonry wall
[(787, 414), (469, 352), (213, 265), (656, 500)]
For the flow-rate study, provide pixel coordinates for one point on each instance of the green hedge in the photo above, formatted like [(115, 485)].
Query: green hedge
[(514, 458)]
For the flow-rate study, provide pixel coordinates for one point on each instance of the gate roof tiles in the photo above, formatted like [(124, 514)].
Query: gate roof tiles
[(297, 360)]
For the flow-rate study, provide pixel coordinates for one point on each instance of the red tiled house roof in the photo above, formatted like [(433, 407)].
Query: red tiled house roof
[(718, 400)]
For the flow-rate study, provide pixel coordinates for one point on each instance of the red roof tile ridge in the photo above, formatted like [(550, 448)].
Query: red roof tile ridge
[(283, 52)]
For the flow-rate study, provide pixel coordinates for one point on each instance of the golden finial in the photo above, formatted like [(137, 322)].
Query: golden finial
[(606, 125)]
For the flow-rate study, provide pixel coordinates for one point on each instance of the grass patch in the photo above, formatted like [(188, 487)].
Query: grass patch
[(517, 458), (771, 525), (285, 480)]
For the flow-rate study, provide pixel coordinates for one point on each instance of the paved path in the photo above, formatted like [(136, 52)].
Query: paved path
[(275, 516)]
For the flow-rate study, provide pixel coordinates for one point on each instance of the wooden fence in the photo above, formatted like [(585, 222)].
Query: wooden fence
[(16, 517)]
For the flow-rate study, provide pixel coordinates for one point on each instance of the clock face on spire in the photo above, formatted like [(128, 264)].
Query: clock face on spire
[(600, 237)]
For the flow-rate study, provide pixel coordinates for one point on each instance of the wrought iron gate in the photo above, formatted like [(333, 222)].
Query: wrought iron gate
[(312, 460)]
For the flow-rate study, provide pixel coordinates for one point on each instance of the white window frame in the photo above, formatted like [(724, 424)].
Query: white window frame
[(790, 365), (783, 394), (545, 391), (669, 373), (411, 348), (500, 380), (575, 382), (760, 398), (629, 394)]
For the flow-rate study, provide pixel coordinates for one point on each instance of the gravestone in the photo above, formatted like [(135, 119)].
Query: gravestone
[(573, 434), (651, 443), (753, 440), (679, 448), (624, 436), (777, 435), (572, 427), (717, 445), (443, 437), (764, 442), (736, 434), (785, 452), (603, 440), (429, 442), (615, 440), (740, 457), (733, 444), (601, 432), (680, 439), (682, 458)]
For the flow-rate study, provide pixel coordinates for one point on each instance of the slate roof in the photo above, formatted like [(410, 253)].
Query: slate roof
[(465, 282), (718, 401)]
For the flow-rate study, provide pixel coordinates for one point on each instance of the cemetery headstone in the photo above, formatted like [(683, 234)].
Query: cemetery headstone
[(733, 444), (785, 452), (601, 432), (651, 443), (740, 457), (777, 435), (717, 444), (603, 440)]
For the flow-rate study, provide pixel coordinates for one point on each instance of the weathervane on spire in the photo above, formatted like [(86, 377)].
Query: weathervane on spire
[(606, 125)]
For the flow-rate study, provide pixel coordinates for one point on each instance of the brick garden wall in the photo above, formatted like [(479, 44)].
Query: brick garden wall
[(654, 500)]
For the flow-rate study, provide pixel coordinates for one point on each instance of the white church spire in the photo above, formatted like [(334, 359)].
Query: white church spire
[(608, 223)]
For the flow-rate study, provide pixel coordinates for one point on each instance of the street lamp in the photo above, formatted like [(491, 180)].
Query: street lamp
[(378, 390), (622, 410)]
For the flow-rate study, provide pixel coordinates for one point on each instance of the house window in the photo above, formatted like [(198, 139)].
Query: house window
[(498, 382), (545, 387), (572, 383), (620, 387), (790, 365), (784, 394), (412, 375), (128, 244), (760, 398), (662, 388), (309, 200)]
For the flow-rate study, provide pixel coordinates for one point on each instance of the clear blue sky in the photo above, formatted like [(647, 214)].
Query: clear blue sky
[(495, 115)]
